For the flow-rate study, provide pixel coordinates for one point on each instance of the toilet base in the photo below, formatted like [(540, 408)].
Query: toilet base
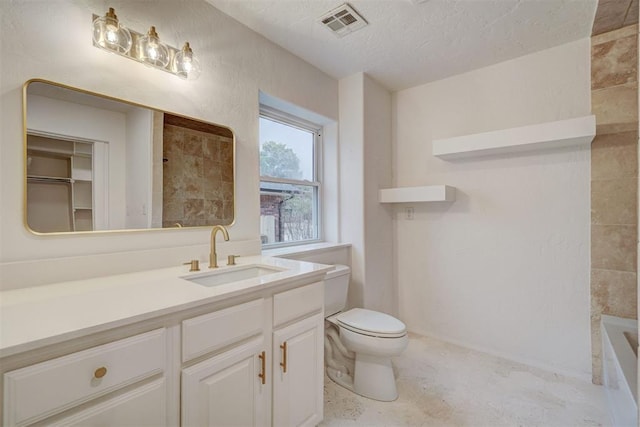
[(373, 378), (341, 378)]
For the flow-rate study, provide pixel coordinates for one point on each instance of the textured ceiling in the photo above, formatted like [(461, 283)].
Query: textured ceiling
[(406, 43)]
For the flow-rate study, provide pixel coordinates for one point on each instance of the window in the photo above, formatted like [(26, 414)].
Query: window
[(289, 182)]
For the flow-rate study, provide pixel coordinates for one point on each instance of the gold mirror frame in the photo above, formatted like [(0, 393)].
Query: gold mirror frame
[(181, 123)]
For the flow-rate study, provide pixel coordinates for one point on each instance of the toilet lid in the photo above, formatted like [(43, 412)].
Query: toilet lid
[(372, 323)]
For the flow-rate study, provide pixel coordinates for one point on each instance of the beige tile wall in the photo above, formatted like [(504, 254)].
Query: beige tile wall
[(614, 14), (198, 178), (614, 181)]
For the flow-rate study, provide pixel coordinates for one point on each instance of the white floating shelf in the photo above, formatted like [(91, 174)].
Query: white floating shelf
[(563, 133), (429, 193)]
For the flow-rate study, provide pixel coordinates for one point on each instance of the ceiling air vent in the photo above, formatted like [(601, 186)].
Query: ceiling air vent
[(342, 20)]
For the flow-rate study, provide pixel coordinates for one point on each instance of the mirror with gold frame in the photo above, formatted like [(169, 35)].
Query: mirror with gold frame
[(96, 163)]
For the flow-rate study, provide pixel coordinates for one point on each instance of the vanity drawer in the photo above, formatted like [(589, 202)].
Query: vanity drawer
[(213, 331), (44, 389), (144, 406), (297, 303)]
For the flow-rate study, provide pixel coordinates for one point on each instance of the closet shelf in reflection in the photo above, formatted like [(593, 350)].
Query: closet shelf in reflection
[(38, 178)]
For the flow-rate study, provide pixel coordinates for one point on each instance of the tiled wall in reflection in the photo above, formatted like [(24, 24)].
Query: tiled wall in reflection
[(198, 178)]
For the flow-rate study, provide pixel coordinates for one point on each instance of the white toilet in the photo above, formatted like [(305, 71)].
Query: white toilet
[(359, 343)]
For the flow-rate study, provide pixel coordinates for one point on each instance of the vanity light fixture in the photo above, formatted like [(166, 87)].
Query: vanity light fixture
[(185, 64), (151, 50), (110, 35)]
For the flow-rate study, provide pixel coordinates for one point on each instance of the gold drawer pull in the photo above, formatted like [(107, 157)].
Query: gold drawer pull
[(263, 370), (283, 346), (100, 372)]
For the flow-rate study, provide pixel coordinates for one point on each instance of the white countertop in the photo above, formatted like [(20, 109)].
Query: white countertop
[(49, 314)]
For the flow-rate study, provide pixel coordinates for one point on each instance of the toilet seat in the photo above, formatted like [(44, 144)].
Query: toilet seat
[(371, 323)]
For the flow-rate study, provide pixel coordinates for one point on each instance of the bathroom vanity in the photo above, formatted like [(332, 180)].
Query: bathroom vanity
[(239, 345)]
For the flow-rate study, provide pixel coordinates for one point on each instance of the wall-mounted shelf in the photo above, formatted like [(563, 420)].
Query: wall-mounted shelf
[(563, 133), (428, 193)]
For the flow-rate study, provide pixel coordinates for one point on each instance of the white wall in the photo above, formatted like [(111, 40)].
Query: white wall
[(504, 269), (237, 63), (379, 284), (157, 170), (351, 136), (331, 183), (139, 168), (365, 167)]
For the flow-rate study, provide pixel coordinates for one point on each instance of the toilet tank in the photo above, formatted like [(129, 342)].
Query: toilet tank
[(336, 285)]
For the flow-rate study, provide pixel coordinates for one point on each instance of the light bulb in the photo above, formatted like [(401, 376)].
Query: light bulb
[(151, 50), (185, 64), (109, 34), (112, 34)]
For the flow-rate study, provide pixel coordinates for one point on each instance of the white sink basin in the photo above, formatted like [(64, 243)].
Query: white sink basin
[(233, 274)]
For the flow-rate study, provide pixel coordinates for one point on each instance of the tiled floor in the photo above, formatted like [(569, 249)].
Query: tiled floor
[(445, 385)]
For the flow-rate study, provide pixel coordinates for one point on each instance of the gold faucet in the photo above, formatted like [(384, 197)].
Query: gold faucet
[(213, 256)]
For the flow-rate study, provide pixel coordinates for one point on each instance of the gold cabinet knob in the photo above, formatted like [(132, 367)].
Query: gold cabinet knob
[(100, 372)]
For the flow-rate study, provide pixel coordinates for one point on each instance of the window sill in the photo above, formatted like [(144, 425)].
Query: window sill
[(306, 249)]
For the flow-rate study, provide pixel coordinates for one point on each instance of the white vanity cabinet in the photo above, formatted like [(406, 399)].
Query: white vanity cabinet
[(298, 373), (226, 390), (248, 356), (298, 368), (270, 367), (229, 388), (119, 383)]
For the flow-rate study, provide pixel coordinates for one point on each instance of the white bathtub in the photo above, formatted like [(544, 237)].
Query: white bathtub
[(620, 365)]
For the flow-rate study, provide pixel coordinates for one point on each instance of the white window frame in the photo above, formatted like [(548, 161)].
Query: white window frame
[(296, 122)]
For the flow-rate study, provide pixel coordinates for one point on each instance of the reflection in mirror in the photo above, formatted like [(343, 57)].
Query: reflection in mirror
[(95, 163)]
